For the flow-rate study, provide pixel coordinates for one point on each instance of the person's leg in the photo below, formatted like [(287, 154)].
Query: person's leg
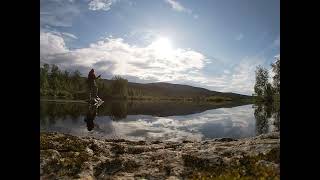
[(95, 94), (90, 93)]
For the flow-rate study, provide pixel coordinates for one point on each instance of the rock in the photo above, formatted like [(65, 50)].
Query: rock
[(67, 157), (225, 139)]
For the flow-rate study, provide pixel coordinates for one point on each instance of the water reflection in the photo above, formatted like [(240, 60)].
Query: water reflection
[(150, 121), (118, 110), (267, 118), (91, 115)]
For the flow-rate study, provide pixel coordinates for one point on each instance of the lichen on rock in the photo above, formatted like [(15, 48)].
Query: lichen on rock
[(64, 156)]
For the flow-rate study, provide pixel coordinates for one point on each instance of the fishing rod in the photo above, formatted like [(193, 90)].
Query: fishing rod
[(100, 76)]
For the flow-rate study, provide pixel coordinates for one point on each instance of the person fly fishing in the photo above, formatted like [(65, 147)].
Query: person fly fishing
[(93, 89)]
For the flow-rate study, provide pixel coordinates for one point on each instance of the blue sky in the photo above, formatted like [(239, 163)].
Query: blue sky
[(209, 43)]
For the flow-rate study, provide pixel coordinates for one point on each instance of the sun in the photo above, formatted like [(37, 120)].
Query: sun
[(162, 45)]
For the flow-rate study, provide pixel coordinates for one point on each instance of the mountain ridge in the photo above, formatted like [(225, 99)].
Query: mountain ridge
[(177, 90)]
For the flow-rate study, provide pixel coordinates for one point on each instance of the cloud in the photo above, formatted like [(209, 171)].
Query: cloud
[(175, 5), (61, 13), (239, 37), (236, 122), (69, 35), (51, 44), (226, 71), (58, 12), (118, 57), (100, 5), (243, 77), (114, 56), (238, 79)]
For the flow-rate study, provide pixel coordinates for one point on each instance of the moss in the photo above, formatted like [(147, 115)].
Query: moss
[(71, 151), (114, 166), (225, 140), (71, 163), (136, 150), (118, 149), (95, 148), (174, 146), (247, 168), (61, 142), (214, 164), (273, 155)]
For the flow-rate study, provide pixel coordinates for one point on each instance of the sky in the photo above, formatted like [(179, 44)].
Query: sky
[(212, 44)]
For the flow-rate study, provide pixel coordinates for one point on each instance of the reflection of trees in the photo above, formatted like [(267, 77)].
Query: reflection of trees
[(262, 114), (118, 110), (54, 111), (261, 120), (277, 115)]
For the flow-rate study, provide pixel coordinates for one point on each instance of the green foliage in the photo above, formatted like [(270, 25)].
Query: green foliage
[(264, 90), (268, 93), (134, 92), (66, 84), (218, 99), (119, 87), (55, 83), (262, 76), (276, 77)]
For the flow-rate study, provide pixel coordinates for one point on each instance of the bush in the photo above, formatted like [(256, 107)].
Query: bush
[(218, 99)]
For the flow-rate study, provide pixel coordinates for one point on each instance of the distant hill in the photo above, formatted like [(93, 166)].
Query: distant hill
[(162, 89)]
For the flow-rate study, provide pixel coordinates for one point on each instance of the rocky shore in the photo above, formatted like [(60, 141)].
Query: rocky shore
[(68, 157)]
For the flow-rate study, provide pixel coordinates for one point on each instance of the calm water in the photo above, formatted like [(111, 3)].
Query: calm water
[(158, 121)]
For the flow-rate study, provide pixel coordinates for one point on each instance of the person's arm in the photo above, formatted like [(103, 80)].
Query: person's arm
[(98, 76)]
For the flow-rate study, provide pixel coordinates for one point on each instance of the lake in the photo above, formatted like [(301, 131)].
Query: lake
[(164, 121)]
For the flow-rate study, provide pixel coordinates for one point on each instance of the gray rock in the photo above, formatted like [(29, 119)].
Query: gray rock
[(68, 157)]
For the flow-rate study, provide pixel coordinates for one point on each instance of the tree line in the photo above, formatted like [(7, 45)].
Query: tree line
[(65, 84), (264, 90)]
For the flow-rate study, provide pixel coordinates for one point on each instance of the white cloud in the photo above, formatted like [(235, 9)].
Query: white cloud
[(192, 127), (239, 37), (100, 5), (175, 5), (69, 35), (51, 44), (61, 13), (114, 56), (226, 71), (58, 12), (196, 16), (117, 57), (241, 78)]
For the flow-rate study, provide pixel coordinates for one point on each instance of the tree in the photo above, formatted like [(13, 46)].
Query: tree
[(76, 80), (44, 77), (276, 77), (262, 76), (55, 77), (268, 93), (66, 80), (119, 86)]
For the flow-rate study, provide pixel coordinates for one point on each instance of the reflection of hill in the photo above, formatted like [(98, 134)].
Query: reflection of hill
[(171, 108), (118, 110)]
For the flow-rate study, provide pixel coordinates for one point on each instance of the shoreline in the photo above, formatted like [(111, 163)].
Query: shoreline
[(147, 100), (71, 157)]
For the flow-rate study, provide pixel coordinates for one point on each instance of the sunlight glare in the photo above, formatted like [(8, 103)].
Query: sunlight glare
[(163, 46)]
